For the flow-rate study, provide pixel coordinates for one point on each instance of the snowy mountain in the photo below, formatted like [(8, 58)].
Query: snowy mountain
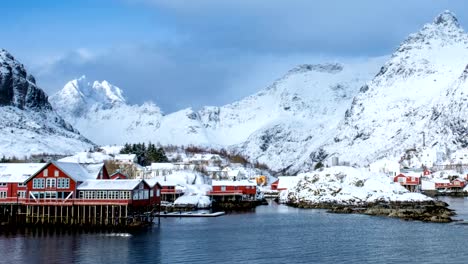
[(419, 90), (28, 124), (352, 111), (275, 126), (79, 96)]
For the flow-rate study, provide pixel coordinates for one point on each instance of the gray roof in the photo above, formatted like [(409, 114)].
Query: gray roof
[(120, 185), (75, 170)]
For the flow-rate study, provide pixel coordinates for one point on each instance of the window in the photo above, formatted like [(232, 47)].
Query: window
[(38, 183), (3, 194), (50, 183), (158, 193), (21, 184), (223, 188), (81, 195), (152, 192), (135, 195), (21, 194), (46, 173), (63, 183), (3, 184), (56, 173)]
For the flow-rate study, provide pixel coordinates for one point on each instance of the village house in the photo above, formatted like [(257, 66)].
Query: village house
[(58, 180), (243, 190), (162, 169), (410, 180), (12, 178), (170, 189), (137, 193), (214, 172), (231, 174), (125, 158)]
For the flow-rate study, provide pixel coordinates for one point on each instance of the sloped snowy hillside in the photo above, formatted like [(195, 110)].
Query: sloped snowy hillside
[(28, 124), (419, 90)]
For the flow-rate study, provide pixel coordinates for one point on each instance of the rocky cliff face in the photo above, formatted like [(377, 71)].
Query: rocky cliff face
[(28, 124), (17, 87)]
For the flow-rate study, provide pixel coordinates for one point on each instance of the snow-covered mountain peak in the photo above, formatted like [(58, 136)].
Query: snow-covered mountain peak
[(447, 18), (80, 95)]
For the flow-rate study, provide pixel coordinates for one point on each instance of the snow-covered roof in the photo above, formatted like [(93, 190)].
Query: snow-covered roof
[(94, 169), (286, 182), (162, 166), (412, 174), (75, 170), (18, 172), (87, 157), (124, 185), (234, 183), (163, 181), (125, 157)]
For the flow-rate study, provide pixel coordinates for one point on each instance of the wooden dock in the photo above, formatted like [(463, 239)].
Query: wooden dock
[(192, 214)]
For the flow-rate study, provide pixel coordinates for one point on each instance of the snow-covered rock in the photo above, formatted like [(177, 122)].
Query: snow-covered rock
[(28, 124), (347, 186)]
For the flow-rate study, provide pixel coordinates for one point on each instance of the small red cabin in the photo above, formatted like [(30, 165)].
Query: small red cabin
[(409, 181), (169, 191), (455, 184), (234, 190)]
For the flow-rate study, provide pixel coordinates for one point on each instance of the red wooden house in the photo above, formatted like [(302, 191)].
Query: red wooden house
[(12, 178), (169, 190), (234, 190), (57, 180), (454, 185), (410, 181)]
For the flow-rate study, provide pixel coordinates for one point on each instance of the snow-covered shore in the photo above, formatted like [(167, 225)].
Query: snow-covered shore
[(351, 190)]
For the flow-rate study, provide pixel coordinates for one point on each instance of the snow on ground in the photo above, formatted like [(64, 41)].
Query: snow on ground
[(347, 185)]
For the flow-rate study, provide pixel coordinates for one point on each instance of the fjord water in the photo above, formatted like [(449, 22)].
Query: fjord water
[(273, 234)]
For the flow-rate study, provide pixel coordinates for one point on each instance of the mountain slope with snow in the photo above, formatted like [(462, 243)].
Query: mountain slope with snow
[(408, 97), (351, 111), (28, 124)]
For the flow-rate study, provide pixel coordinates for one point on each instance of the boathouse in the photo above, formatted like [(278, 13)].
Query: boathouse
[(411, 181), (169, 188), (128, 192), (234, 190), (450, 186), (57, 180)]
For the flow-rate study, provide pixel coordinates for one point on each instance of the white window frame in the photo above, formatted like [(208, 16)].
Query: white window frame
[(38, 183), (51, 183), (46, 172), (56, 173)]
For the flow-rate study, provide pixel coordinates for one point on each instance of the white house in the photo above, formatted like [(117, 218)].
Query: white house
[(126, 158), (162, 169)]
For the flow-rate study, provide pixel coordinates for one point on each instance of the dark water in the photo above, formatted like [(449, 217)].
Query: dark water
[(274, 234)]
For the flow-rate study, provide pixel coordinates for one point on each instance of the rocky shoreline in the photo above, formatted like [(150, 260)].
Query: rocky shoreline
[(426, 211)]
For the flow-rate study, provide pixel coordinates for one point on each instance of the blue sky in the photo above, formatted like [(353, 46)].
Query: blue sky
[(207, 52)]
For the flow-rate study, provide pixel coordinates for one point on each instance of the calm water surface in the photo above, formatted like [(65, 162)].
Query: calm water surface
[(273, 234)]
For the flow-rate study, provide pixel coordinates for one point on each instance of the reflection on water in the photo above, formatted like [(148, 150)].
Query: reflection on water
[(273, 234)]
